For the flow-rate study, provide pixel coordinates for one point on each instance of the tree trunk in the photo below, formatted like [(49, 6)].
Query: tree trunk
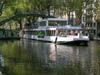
[(2, 3), (48, 10), (20, 23)]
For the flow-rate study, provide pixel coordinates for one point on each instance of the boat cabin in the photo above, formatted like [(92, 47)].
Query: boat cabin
[(53, 22), (69, 30), (54, 27)]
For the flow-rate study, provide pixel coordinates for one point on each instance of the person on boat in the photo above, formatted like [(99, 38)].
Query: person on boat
[(71, 32), (76, 32)]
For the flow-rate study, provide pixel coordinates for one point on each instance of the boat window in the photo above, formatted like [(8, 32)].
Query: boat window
[(42, 23), (57, 23), (35, 33), (50, 32), (41, 34), (85, 33), (35, 25), (76, 32), (28, 32), (62, 33), (72, 32)]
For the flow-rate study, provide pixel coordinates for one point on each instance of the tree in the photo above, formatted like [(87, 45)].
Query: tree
[(2, 2), (60, 7), (98, 10)]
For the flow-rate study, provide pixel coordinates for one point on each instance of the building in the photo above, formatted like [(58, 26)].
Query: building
[(89, 17), (98, 18)]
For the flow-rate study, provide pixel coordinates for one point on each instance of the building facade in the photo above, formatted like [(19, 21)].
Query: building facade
[(89, 17), (98, 18)]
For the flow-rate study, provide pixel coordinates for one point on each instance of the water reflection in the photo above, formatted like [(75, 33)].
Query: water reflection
[(28, 57), (1, 64)]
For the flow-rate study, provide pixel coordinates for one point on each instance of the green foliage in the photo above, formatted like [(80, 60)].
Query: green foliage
[(98, 10), (60, 7), (11, 6)]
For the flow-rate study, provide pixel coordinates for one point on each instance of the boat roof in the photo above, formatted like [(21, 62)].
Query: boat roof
[(54, 19), (67, 27)]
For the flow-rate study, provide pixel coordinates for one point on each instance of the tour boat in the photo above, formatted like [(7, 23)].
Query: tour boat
[(57, 31)]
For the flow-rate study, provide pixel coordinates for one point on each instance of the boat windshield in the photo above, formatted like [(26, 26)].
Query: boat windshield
[(57, 23)]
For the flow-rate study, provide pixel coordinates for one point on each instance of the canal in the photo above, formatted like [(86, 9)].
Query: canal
[(28, 57)]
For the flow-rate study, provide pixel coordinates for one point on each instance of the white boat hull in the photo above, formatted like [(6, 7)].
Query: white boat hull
[(75, 40)]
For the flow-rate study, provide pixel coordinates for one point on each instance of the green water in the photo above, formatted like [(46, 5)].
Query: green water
[(28, 57)]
